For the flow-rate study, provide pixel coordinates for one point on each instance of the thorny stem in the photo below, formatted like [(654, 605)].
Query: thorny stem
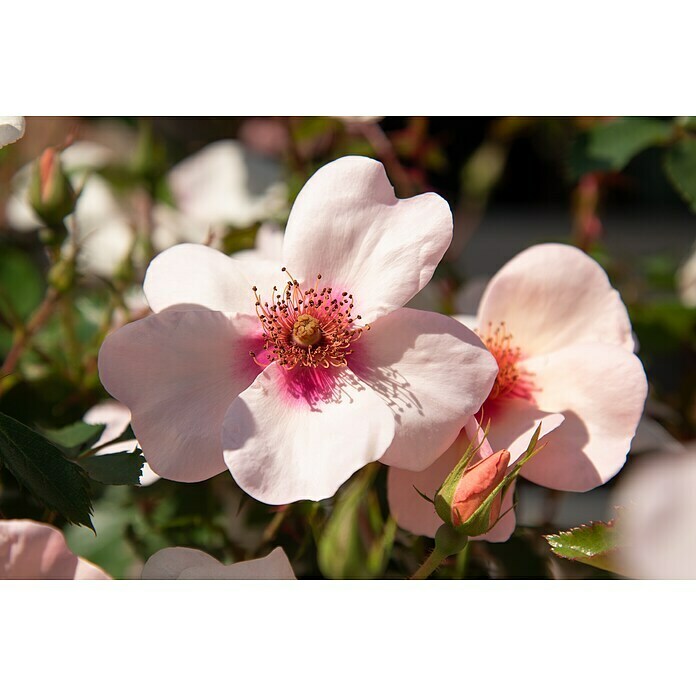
[(274, 525), (430, 565), (24, 335)]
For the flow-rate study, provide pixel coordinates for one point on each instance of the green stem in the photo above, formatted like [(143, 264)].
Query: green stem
[(430, 565)]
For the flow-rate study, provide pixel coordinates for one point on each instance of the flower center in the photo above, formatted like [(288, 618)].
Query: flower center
[(306, 330), (311, 328), (513, 381)]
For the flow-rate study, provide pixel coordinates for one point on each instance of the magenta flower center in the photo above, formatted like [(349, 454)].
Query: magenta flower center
[(311, 328), (513, 381)]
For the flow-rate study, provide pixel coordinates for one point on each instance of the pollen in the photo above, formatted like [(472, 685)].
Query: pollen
[(306, 330), (512, 381), (311, 328)]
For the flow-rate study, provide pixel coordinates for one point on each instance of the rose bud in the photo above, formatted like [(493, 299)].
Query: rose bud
[(477, 483), (470, 498), (51, 195)]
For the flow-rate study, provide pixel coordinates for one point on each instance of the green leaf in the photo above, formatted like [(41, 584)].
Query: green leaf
[(612, 145), (620, 141), (118, 469), (21, 284), (356, 543), (80, 434), (680, 164), (595, 544), (41, 468)]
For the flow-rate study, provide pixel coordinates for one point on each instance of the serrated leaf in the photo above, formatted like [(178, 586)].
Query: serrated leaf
[(117, 469), (42, 469), (680, 164), (595, 544), (80, 434), (613, 144)]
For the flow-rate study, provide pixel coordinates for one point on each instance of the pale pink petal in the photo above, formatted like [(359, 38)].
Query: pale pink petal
[(268, 246), (656, 498), (432, 372), (224, 183), (34, 551), (178, 372), (196, 276), (298, 435), (180, 563), (348, 226), (275, 566), (11, 129), (168, 564), (418, 516), (117, 418), (470, 321), (601, 390), (554, 295)]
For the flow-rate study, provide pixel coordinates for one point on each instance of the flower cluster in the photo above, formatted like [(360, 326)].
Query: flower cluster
[(293, 365)]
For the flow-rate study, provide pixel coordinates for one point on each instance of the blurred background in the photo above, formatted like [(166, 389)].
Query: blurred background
[(622, 189)]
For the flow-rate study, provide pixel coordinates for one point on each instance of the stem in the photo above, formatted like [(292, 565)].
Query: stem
[(378, 139), (23, 336), (430, 565), (274, 525)]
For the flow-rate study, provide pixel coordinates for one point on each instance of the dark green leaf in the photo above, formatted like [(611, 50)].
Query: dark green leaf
[(79, 434), (621, 140), (118, 469), (680, 164), (594, 544), (356, 543), (613, 144), (41, 468)]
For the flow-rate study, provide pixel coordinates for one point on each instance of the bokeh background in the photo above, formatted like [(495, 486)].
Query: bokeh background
[(622, 189)]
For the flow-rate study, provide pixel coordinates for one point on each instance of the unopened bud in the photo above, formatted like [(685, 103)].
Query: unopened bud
[(477, 483), (51, 195)]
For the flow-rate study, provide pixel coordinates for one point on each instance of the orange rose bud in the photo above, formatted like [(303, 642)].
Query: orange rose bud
[(50, 193), (477, 483)]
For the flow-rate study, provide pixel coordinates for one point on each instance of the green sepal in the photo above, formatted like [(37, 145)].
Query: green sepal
[(445, 494), (449, 540)]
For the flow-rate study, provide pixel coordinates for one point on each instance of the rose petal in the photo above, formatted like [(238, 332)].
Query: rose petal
[(601, 390), (300, 434), (195, 276), (115, 416), (348, 225), (11, 129), (551, 296), (418, 516), (34, 551), (180, 563), (224, 183), (432, 372), (178, 372), (657, 501)]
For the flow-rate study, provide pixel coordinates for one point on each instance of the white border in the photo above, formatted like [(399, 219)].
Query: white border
[(381, 638), (311, 57)]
